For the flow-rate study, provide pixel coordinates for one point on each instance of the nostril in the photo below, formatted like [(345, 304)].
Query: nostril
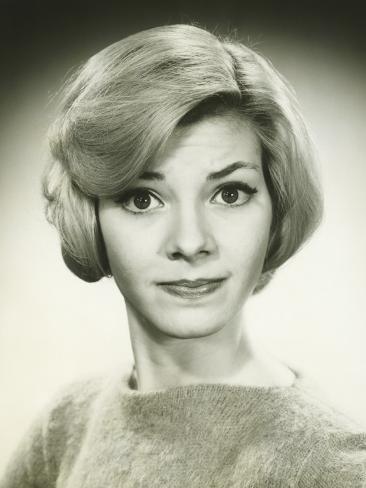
[(189, 256)]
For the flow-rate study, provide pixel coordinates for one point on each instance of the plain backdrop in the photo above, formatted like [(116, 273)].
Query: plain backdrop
[(54, 328)]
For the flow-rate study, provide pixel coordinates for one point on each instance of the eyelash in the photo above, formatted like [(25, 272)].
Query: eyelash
[(237, 185)]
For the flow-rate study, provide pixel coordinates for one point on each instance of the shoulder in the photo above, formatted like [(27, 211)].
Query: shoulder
[(56, 434), (66, 414), (72, 411), (73, 401), (335, 455), (337, 461)]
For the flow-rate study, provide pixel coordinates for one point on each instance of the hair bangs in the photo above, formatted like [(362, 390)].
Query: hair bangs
[(127, 108)]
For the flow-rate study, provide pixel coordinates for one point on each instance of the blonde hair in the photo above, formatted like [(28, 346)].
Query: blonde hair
[(120, 108)]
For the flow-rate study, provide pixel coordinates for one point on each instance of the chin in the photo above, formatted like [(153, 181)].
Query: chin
[(192, 324)]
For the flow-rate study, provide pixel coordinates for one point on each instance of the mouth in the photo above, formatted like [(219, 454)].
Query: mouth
[(192, 289)]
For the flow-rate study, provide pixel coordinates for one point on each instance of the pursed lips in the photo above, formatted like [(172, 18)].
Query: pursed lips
[(192, 283), (192, 289)]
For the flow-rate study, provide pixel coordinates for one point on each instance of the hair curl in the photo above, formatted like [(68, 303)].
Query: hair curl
[(120, 108)]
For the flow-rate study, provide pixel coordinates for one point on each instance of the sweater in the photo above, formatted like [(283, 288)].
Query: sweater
[(105, 433)]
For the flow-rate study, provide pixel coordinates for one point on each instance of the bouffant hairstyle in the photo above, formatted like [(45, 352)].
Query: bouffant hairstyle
[(119, 109)]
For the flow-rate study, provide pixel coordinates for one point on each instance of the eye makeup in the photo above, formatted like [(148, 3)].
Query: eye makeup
[(142, 197)]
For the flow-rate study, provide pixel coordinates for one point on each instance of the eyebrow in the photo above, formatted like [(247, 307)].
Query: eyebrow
[(155, 175)]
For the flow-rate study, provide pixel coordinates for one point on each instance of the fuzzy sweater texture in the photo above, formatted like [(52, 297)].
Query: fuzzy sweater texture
[(104, 433)]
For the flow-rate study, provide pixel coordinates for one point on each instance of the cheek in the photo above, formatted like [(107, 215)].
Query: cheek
[(127, 266), (126, 257), (126, 251), (246, 241)]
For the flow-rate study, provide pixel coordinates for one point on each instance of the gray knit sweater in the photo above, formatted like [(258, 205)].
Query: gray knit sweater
[(103, 433)]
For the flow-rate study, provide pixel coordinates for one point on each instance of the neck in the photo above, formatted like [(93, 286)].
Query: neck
[(227, 356)]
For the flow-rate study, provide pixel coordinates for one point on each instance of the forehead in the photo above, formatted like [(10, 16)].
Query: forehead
[(208, 145)]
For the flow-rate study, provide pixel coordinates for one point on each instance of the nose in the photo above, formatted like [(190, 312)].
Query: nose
[(189, 236)]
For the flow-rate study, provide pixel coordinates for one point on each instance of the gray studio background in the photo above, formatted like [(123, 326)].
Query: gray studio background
[(55, 328)]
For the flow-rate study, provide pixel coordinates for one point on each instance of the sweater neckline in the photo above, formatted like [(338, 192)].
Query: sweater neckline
[(190, 390)]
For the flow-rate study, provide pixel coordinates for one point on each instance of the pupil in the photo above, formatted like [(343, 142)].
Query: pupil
[(230, 196), (142, 200)]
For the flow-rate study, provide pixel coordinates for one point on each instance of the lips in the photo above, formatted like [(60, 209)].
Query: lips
[(193, 283), (195, 289)]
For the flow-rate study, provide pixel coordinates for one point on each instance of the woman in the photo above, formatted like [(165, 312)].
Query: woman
[(182, 167)]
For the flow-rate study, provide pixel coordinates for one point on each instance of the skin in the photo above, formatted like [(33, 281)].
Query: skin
[(191, 230)]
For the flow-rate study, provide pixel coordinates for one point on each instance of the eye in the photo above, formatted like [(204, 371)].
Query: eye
[(234, 194), (139, 200)]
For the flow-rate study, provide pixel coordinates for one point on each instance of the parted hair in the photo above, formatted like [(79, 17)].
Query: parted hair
[(118, 110)]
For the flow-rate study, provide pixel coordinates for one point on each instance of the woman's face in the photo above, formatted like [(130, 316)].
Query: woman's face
[(202, 211)]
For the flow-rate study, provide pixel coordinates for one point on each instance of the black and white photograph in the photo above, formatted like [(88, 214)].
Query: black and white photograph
[(183, 245)]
